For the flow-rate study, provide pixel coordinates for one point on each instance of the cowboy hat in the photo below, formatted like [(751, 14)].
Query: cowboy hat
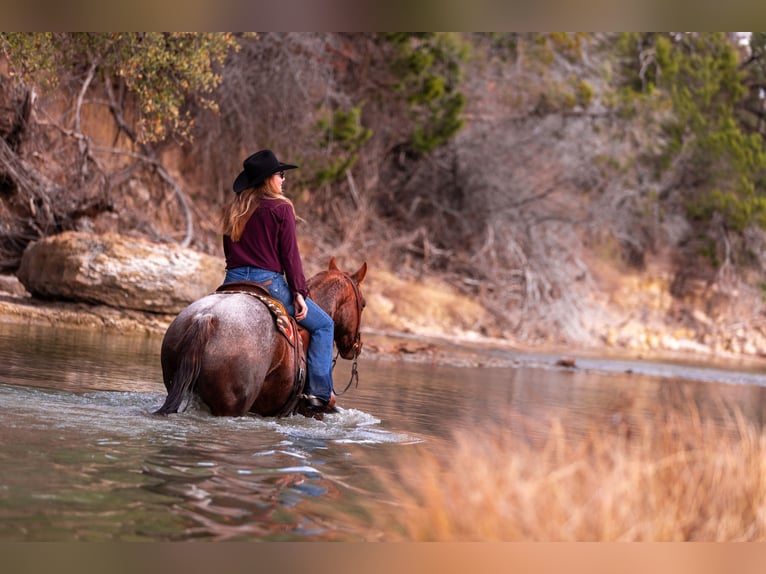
[(258, 167)]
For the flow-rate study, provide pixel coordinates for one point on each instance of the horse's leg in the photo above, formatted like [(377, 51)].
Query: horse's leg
[(237, 364), (278, 382), (230, 386)]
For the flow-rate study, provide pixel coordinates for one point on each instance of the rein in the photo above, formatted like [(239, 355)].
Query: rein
[(357, 346), (354, 375)]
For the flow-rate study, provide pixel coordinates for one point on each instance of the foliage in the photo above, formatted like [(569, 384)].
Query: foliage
[(752, 112), (540, 54), (428, 68), (151, 84), (344, 134), (719, 160), (163, 70)]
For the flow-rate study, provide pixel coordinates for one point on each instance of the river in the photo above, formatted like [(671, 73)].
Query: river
[(82, 457)]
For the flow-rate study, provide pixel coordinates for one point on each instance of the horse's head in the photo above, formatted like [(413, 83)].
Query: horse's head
[(338, 293)]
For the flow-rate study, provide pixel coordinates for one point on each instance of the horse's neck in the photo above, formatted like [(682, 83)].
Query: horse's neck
[(326, 296), (326, 301)]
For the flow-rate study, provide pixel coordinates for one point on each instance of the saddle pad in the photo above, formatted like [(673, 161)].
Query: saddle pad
[(245, 287)]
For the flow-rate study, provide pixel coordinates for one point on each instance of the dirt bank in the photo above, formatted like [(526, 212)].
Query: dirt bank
[(18, 306), (427, 322), (394, 332)]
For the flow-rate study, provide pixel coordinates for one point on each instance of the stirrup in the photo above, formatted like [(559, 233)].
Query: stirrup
[(313, 401)]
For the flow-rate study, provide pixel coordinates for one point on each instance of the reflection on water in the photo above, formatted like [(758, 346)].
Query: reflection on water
[(83, 458), (77, 359), (98, 465)]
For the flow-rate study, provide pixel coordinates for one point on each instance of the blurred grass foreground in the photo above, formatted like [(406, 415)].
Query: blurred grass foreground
[(679, 479)]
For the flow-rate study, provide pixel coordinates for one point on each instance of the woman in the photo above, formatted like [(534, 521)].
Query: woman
[(260, 245)]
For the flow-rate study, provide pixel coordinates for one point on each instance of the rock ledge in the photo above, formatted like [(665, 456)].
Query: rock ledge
[(118, 271)]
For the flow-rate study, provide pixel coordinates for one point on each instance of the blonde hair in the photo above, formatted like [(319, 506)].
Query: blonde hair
[(237, 213)]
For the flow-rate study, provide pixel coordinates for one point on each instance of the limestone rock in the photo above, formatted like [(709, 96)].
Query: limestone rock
[(123, 272)]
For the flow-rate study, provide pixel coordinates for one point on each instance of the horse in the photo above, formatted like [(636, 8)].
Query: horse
[(240, 352)]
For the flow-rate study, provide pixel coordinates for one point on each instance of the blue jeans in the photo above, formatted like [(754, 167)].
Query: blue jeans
[(317, 322)]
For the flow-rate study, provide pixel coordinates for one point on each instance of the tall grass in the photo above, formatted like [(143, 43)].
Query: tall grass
[(676, 479)]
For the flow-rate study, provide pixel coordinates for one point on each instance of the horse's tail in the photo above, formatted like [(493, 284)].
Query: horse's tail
[(191, 346)]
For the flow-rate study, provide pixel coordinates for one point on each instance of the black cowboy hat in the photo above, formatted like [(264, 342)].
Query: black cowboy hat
[(258, 167)]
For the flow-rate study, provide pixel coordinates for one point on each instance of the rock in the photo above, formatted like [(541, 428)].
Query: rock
[(11, 285), (118, 271)]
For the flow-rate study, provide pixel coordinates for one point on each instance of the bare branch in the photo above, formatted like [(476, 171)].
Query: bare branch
[(182, 200), (116, 109), (352, 189), (81, 96)]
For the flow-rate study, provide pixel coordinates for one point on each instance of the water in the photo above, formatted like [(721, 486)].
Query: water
[(83, 458)]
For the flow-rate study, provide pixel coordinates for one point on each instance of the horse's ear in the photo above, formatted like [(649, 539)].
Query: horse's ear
[(360, 273), (333, 265)]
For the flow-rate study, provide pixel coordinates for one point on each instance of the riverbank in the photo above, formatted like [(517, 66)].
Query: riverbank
[(18, 306), (384, 341), (424, 323)]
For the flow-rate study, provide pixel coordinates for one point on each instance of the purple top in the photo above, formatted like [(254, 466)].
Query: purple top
[(269, 242)]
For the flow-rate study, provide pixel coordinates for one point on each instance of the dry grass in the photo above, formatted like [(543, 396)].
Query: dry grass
[(681, 480)]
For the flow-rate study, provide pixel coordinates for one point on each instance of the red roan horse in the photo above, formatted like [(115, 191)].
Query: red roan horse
[(227, 349)]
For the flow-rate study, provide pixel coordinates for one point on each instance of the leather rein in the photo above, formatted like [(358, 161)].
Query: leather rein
[(357, 346)]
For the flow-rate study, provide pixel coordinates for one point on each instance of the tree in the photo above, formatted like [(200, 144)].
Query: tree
[(150, 83), (712, 159), (162, 71), (428, 68)]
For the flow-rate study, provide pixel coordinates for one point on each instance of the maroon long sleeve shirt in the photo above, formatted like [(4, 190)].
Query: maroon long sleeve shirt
[(269, 242)]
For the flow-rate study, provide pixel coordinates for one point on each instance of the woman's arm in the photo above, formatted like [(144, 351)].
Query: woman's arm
[(289, 254)]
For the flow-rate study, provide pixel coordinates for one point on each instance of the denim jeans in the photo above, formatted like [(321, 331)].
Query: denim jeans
[(316, 321)]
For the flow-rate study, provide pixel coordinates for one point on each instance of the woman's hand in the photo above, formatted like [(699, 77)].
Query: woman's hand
[(301, 309)]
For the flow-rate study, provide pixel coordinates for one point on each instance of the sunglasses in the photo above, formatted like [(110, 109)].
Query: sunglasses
[(281, 174)]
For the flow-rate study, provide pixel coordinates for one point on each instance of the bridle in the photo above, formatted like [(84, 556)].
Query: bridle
[(357, 346)]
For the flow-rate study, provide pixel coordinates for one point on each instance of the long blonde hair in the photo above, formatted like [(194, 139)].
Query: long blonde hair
[(237, 213)]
